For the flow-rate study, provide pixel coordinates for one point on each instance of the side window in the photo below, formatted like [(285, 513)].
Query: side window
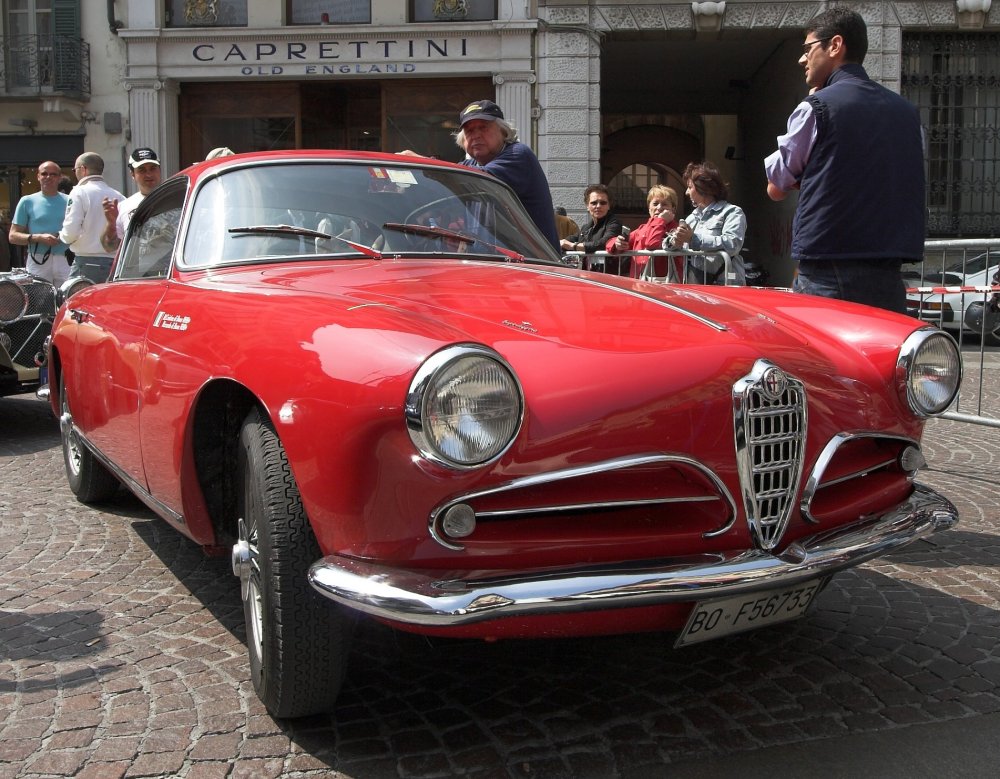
[(150, 239)]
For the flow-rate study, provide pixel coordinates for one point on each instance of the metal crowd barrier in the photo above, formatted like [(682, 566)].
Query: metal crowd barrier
[(606, 262), (938, 292)]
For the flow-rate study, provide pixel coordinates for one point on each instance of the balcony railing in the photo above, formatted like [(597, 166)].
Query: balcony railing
[(44, 65)]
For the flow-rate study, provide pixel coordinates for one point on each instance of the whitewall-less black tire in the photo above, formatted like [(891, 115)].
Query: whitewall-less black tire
[(298, 641), (89, 480)]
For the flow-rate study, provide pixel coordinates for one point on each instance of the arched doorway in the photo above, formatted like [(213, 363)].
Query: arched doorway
[(639, 155)]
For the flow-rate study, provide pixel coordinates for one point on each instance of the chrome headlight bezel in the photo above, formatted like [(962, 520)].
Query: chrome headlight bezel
[(70, 287), (13, 302), (929, 371), (429, 391)]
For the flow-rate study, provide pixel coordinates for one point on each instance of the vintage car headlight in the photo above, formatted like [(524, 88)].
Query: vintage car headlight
[(70, 287), (464, 406), (13, 302), (930, 371)]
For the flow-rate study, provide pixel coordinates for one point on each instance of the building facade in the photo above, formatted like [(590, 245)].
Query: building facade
[(624, 93)]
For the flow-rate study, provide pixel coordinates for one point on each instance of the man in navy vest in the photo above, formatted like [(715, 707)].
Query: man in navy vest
[(854, 150)]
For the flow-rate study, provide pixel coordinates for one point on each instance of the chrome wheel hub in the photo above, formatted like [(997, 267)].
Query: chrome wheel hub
[(246, 566)]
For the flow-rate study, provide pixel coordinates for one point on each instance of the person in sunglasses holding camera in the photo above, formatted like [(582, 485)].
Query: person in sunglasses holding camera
[(602, 226), (36, 224)]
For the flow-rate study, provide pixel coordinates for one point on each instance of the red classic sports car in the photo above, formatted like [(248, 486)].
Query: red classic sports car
[(370, 379)]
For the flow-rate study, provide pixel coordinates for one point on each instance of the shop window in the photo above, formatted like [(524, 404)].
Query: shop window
[(325, 12), (422, 114), (206, 13), (453, 10)]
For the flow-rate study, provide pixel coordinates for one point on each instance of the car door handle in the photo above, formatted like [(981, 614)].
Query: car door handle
[(79, 314)]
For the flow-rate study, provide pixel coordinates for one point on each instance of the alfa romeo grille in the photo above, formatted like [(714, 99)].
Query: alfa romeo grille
[(770, 427)]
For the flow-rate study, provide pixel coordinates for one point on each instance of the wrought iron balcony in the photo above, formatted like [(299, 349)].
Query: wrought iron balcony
[(44, 65)]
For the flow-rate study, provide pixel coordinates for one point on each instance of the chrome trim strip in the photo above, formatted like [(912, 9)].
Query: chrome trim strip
[(718, 326), (581, 471), (420, 598), (611, 504), (823, 461), (859, 473)]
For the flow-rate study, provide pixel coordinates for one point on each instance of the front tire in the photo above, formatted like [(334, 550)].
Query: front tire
[(89, 480), (298, 642)]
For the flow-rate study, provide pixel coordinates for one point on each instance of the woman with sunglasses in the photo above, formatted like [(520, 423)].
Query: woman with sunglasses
[(602, 225)]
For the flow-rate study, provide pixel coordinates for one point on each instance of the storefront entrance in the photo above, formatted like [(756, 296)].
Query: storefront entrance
[(388, 115)]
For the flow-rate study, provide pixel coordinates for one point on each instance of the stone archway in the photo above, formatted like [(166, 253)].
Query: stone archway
[(628, 152)]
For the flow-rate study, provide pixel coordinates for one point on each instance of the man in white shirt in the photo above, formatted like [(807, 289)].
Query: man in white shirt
[(85, 223), (145, 168)]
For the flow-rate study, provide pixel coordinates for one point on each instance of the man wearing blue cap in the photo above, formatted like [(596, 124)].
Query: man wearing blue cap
[(491, 144)]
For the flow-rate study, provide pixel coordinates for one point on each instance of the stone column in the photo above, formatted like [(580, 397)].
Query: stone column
[(569, 67), (516, 99), (153, 121)]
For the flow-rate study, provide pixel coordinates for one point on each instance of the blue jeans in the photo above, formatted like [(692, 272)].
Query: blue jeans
[(94, 268), (871, 282)]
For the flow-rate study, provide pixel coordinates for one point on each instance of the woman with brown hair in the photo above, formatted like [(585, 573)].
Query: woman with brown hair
[(715, 225)]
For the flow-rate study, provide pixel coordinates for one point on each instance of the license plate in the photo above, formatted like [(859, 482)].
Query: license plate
[(725, 616)]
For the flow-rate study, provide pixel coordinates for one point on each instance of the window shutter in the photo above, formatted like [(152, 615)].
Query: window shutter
[(66, 18), (67, 49)]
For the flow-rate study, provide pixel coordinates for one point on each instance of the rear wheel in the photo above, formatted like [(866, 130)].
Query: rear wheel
[(992, 338), (983, 319), (89, 480), (298, 642)]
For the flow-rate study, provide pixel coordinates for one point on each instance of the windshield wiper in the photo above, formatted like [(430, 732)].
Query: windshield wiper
[(433, 231), (304, 232), (281, 230)]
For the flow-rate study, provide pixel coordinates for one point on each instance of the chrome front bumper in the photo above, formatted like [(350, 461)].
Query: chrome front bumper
[(426, 598)]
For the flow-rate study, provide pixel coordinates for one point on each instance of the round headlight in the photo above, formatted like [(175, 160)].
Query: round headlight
[(70, 287), (930, 368), (13, 302), (464, 406)]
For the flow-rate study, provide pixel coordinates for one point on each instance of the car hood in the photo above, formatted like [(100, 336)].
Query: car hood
[(508, 306)]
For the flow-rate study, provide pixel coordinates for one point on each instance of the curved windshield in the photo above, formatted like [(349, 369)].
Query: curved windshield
[(350, 210)]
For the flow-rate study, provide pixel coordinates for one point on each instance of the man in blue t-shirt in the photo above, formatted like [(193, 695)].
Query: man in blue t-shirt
[(491, 144), (36, 224)]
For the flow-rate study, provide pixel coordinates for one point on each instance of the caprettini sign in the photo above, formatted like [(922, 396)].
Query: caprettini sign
[(333, 57)]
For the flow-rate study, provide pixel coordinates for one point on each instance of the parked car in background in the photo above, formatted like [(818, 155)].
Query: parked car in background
[(950, 310), (371, 380), (27, 307)]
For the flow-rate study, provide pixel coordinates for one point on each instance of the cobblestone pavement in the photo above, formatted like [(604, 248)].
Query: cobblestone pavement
[(122, 653)]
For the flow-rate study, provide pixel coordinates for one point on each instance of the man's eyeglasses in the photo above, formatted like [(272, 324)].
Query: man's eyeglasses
[(597, 203), (48, 174), (807, 47)]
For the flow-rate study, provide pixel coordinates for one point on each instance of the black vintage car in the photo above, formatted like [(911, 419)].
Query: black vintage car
[(27, 306)]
